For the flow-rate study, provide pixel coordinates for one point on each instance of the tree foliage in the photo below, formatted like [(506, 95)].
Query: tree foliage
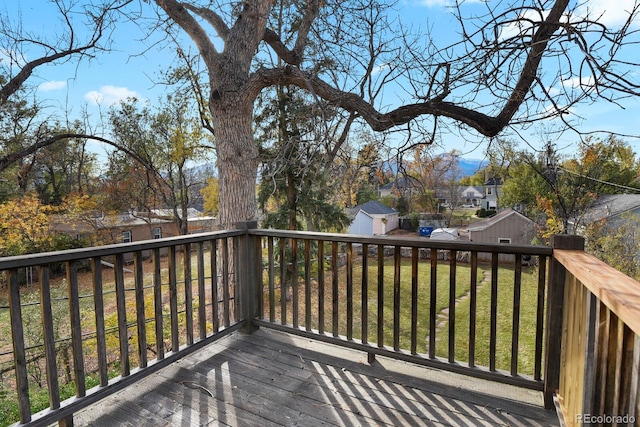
[(164, 143), (294, 191), (617, 244), (25, 226), (558, 190)]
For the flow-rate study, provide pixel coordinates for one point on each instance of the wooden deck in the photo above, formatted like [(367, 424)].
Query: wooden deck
[(272, 379)]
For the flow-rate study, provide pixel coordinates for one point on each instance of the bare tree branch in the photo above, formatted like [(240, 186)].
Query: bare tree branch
[(10, 158), (100, 21)]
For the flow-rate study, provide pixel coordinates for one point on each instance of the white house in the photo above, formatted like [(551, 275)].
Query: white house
[(471, 196), (373, 218), (492, 192)]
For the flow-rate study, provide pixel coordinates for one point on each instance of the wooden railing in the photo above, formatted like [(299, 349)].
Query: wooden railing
[(93, 320), (413, 299), (102, 321), (593, 361)]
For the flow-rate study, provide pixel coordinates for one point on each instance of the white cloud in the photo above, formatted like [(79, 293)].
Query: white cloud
[(607, 12), (52, 85), (433, 3), (109, 95), (575, 82), (444, 3)]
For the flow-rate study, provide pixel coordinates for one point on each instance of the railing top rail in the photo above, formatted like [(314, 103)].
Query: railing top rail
[(616, 290), (419, 242), (106, 250)]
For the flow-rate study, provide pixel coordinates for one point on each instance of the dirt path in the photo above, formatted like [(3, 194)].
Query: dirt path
[(443, 316)]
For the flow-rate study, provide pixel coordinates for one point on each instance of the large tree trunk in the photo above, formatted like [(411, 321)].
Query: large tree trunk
[(237, 157)]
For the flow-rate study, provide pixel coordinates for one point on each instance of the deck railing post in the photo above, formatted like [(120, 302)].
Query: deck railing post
[(247, 271), (554, 320)]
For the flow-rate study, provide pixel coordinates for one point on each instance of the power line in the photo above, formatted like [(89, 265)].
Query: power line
[(599, 180)]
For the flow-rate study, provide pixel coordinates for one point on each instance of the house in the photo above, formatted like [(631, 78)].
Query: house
[(613, 209), (508, 226), (373, 218), (120, 228), (470, 196), (401, 186), (492, 191)]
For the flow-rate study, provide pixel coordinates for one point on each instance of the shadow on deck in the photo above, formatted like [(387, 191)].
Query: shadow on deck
[(271, 378)]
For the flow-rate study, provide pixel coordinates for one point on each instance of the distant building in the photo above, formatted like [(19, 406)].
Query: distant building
[(508, 226), (402, 186), (471, 196), (373, 218), (492, 192), (120, 228), (612, 209)]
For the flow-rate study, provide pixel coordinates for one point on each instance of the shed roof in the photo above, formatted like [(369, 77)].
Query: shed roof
[(500, 216), (373, 207), (611, 205)]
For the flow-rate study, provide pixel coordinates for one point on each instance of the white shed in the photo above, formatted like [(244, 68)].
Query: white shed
[(373, 218)]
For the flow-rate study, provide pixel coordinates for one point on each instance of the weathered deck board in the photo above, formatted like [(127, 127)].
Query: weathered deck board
[(272, 379)]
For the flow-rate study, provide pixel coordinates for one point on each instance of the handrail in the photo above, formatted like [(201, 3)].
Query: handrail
[(593, 339), (29, 260), (616, 290), (413, 242)]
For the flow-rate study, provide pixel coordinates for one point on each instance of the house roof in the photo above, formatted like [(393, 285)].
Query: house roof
[(611, 205), (472, 187), (169, 213), (401, 183), (62, 224), (374, 208), (496, 180), (488, 222)]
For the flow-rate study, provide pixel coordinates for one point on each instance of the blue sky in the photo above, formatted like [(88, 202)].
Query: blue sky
[(97, 84)]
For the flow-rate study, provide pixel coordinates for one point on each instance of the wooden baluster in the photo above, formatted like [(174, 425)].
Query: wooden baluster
[(452, 306), (515, 323), (226, 287), (473, 308), (321, 286), (140, 310), (542, 280), (397, 259), (283, 282), (380, 296), (349, 285), (215, 295), (294, 283), (49, 338), (98, 304), (19, 354), (433, 286), (272, 291), (202, 300), (307, 285), (158, 304), (173, 299), (494, 312), (188, 291), (365, 294), (121, 304), (335, 296), (414, 300)]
